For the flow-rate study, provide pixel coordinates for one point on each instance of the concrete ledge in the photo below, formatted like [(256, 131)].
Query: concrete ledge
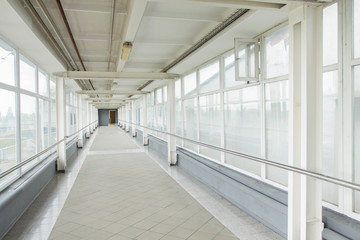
[(158, 145), (340, 224)]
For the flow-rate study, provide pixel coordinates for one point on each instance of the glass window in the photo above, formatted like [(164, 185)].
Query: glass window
[(276, 116), (356, 116), (210, 77), (330, 134), (52, 89), (53, 139), (165, 94), (210, 124), (44, 123), (330, 35), (356, 28), (190, 84), (28, 126), (43, 84), (7, 133), (178, 88), (229, 69), (27, 75), (243, 127), (191, 123), (179, 122), (159, 95), (277, 53), (245, 56), (7, 64)]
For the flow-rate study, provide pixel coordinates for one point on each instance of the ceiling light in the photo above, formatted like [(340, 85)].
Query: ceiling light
[(126, 50)]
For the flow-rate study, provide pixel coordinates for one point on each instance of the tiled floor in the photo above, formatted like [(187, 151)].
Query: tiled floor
[(121, 193)]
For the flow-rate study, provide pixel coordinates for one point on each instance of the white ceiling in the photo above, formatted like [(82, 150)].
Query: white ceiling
[(159, 30)]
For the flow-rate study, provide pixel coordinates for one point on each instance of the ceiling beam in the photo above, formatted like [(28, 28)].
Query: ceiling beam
[(248, 4), (136, 10), (110, 92), (115, 75), (102, 99)]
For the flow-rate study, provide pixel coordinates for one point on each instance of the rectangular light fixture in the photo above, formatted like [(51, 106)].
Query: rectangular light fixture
[(126, 50)]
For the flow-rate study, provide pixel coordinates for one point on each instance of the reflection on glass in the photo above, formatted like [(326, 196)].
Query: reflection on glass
[(159, 95), (243, 127), (179, 122), (53, 89), (277, 53), (209, 77), (165, 94), (7, 64), (276, 129), (246, 60), (27, 75), (7, 133), (330, 134), (356, 28), (44, 124), (229, 69), (190, 84), (28, 126), (356, 110), (191, 123), (43, 84), (53, 139), (330, 35), (210, 124)]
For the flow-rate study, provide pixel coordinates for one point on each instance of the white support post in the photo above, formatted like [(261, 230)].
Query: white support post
[(94, 117), (80, 143), (127, 118), (90, 118), (305, 122), (171, 121), (119, 115), (144, 120), (61, 124), (133, 118), (87, 134)]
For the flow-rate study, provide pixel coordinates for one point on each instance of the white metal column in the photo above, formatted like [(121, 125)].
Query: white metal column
[(127, 117), (87, 134), (144, 119), (171, 121), (119, 115), (133, 118), (305, 121), (80, 143), (61, 123)]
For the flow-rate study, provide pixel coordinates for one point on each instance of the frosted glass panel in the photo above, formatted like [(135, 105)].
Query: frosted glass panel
[(330, 134), (356, 28), (210, 124), (276, 117), (7, 133), (277, 53), (243, 127), (7, 64), (330, 35), (356, 110), (43, 84), (190, 84), (28, 126), (209, 77), (27, 75), (191, 123)]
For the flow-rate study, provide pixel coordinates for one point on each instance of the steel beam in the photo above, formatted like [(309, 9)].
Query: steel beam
[(110, 92), (115, 75)]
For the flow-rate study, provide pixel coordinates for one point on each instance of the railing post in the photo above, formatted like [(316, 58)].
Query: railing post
[(305, 122), (80, 142), (61, 124)]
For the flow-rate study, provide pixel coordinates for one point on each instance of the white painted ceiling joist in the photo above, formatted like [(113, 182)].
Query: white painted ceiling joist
[(108, 99), (115, 75), (110, 92)]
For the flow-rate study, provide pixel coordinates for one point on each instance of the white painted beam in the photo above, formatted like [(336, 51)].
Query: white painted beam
[(171, 122), (115, 75), (144, 120), (109, 99), (61, 124), (110, 92), (79, 113), (136, 10)]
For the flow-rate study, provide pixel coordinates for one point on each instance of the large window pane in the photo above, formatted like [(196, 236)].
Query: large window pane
[(276, 117), (330, 134), (356, 28), (330, 35), (44, 123), (27, 75), (209, 77), (210, 124), (229, 69), (190, 84), (53, 123), (28, 126), (7, 133), (7, 64), (243, 127), (178, 89), (277, 53), (52, 89), (356, 110), (179, 122), (43, 84), (191, 123)]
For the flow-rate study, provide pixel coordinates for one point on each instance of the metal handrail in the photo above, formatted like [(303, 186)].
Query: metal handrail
[(22, 163), (324, 177)]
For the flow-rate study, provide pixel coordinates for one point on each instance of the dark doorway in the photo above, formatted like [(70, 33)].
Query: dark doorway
[(112, 117)]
